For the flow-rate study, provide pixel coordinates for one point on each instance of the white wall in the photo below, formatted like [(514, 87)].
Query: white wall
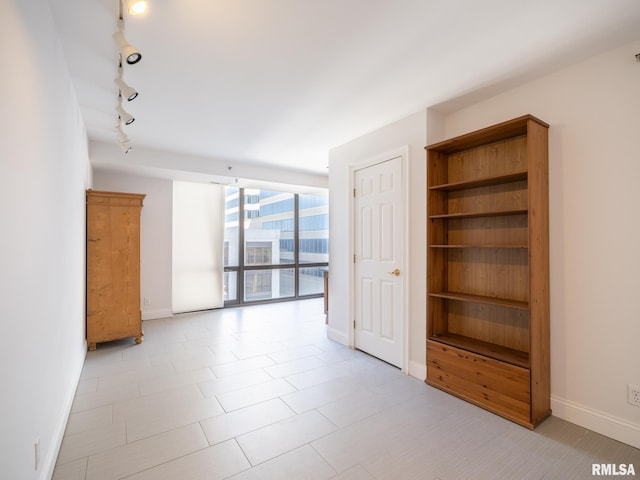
[(409, 132), (44, 171), (155, 236), (192, 168), (594, 166)]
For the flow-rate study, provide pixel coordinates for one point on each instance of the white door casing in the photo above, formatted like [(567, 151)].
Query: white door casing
[(379, 254)]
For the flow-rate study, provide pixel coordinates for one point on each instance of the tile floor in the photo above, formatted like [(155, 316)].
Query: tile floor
[(260, 393)]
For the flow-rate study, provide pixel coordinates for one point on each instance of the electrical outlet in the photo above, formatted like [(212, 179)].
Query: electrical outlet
[(146, 301), (36, 453), (634, 395)]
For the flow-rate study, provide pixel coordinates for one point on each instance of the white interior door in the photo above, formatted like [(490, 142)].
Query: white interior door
[(379, 245)]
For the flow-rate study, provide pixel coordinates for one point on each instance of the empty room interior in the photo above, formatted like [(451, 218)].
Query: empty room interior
[(337, 239)]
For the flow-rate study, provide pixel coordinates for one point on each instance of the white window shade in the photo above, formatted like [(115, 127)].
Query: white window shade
[(198, 243)]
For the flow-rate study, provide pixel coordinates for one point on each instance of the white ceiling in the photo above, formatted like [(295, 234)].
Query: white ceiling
[(280, 82)]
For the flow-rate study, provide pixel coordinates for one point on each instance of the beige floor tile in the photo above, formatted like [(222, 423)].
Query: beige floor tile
[(89, 419), (106, 354), (213, 463), (354, 473), (240, 366), (214, 342), (177, 356), (138, 456), (369, 438), (151, 346), (251, 350), (83, 444), (294, 366), (322, 394), (283, 436), (301, 463), (238, 422), (295, 353), (319, 375), (350, 409), (203, 360), (158, 404), (254, 394), (101, 398), (148, 425), (336, 356), (96, 367), (76, 470), (87, 385), (234, 382), (176, 380), (134, 376)]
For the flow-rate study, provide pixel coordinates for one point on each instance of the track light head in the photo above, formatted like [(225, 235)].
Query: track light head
[(136, 7), (128, 51), (124, 116), (125, 90), (126, 148)]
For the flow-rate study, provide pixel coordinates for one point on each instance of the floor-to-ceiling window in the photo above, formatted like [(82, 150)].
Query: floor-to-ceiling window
[(276, 245)]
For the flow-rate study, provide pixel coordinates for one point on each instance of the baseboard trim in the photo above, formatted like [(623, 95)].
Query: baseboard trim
[(49, 463), (600, 422), (417, 370), (157, 313), (337, 336)]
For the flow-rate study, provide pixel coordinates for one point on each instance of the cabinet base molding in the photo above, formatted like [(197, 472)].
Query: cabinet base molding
[(91, 346)]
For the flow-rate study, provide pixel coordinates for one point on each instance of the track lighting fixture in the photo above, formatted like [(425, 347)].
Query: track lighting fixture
[(136, 7), (124, 116), (125, 90), (128, 51), (130, 55)]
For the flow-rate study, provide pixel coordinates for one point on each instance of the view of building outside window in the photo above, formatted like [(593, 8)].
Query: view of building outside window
[(269, 237)]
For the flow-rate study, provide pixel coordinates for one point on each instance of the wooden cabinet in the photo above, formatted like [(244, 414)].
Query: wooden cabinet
[(488, 269), (113, 267)]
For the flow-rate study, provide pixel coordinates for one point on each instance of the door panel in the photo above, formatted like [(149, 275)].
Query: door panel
[(366, 304), (387, 290), (387, 248), (379, 255), (366, 247)]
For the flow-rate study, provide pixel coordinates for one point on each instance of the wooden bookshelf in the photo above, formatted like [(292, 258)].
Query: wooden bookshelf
[(488, 269)]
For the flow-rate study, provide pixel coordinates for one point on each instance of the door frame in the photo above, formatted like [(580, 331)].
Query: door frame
[(403, 153)]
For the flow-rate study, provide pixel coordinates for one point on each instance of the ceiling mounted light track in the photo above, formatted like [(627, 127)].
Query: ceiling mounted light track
[(128, 54)]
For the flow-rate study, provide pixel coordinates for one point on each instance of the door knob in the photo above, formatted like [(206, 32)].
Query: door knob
[(396, 272)]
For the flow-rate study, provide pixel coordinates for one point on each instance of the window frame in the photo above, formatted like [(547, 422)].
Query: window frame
[(243, 266)]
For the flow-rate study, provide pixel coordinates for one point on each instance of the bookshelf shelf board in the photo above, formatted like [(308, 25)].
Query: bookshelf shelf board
[(465, 297), (482, 182)]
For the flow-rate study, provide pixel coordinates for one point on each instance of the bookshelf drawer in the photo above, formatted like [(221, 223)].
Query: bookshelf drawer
[(497, 386)]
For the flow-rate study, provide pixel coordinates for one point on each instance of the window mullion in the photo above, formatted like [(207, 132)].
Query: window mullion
[(296, 245), (241, 252)]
